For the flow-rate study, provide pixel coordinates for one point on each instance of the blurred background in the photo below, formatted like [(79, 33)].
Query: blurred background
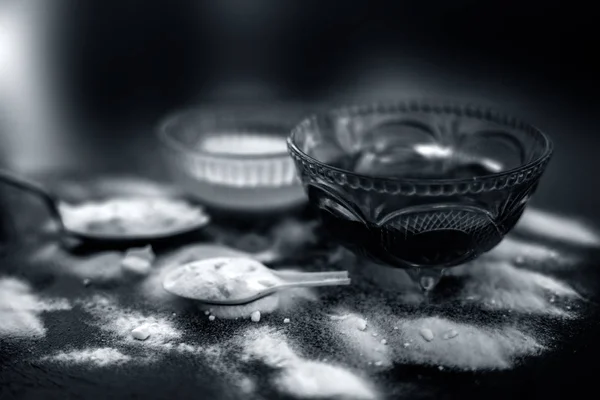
[(89, 80)]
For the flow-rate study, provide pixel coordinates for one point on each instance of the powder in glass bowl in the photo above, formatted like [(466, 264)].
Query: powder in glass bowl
[(241, 144)]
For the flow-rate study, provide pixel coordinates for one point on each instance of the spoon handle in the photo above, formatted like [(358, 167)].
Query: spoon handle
[(314, 283), (33, 188), (299, 277)]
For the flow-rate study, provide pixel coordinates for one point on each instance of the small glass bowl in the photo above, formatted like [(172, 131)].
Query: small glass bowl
[(233, 158), (419, 185)]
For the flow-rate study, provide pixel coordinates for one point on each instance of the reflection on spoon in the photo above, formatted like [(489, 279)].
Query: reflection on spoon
[(239, 280)]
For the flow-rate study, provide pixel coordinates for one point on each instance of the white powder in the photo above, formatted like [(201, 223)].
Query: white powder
[(121, 321), (300, 377), (473, 347), (152, 287), (364, 345), (104, 267), (138, 260), (527, 252), (558, 227), (101, 357), (317, 380), (220, 278), (121, 216), (502, 285), (20, 309), (245, 144)]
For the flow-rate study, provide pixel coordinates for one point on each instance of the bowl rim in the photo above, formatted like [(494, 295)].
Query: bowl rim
[(430, 107), (165, 138)]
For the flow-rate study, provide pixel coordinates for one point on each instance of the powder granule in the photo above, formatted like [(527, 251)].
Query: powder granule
[(138, 260), (101, 357), (473, 348)]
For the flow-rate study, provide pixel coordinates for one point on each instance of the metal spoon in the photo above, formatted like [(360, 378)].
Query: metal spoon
[(53, 202), (288, 280)]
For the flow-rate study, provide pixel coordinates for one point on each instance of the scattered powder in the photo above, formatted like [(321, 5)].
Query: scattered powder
[(340, 318), (313, 379), (102, 267), (558, 227), (473, 348), (299, 377), (19, 309), (522, 251), (360, 341), (502, 285), (121, 322), (101, 357)]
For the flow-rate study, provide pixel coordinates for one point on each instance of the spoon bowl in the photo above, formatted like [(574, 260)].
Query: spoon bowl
[(57, 207), (280, 280)]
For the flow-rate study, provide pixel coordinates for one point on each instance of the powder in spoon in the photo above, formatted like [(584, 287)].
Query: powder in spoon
[(220, 279), (122, 216)]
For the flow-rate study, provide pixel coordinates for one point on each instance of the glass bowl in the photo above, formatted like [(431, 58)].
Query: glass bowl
[(233, 158), (418, 185)]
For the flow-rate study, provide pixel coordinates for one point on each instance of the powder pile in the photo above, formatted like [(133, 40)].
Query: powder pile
[(100, 357), (522, 252), (104, 267), (438, 341), (363, 339), (502, 285), (121, 322), (20, 309), (132, 216), (299, 377), (557, 227)]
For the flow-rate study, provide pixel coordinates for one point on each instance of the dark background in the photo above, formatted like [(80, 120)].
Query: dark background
[(135, 59)]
